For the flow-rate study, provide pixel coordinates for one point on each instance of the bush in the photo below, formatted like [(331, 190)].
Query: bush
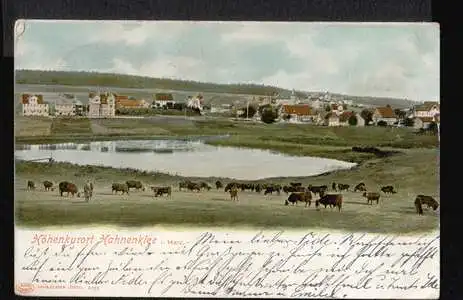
[(250, 113), (409, 122), (269, 115), (382, 123), (353, 120), (367, 115)]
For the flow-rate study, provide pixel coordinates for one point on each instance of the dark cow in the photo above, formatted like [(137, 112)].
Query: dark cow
[(372, 196), (429, 201), (258, 188), (205, 185), (218, 184), (333, 200), (234, 193), (192, 186), (69, 188), (333, 186), (360, 187), (183, 184), (30, 185), (388, 189), (48, 185), (300, 197), (120, 187), (161, 190), (343, 187), (135, 184), (230, 185), (295, 184), (317, 189)]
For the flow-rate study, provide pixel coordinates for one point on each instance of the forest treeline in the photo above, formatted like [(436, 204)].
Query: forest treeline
[(138, 82)]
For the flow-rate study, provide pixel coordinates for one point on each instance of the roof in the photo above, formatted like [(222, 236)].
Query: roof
[(121, 98), (130, 103), (163, 96), (385, 112), (345, 116), (300, 110), (427, 106), (25, 98)]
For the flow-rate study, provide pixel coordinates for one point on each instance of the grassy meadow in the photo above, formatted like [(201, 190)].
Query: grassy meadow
[(412, 172)]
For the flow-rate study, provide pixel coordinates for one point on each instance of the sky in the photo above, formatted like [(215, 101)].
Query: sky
[(399, 60)]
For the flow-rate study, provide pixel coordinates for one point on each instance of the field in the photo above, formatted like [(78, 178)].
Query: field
[(412, 172)]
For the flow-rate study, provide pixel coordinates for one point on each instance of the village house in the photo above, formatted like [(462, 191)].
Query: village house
[(423, 115), (331, 119), (385, 114), (68, 105), (101, 105), (195, 102), (33, 105), (163, 101), (298, 113), (427, 109), (124, 102), (337, 108)]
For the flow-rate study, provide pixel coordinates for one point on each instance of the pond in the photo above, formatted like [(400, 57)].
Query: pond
[(192, 158)]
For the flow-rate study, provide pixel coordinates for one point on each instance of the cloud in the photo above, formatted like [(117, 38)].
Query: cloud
[(360, 59)]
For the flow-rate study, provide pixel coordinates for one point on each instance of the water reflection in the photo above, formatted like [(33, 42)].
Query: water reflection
[(184, 157)]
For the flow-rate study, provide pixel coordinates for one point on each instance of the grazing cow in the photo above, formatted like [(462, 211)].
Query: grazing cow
[(388, 189), (372, 196), (258, 188), (317, 189), (343, 187), (333, 200), (68, 187), (234, 194), (428, 200), (30, 185), (205, 185), (48, 185), (134, 184), (183, 184), (295, 184), (218, 184), (360, 187), (161, 190), (333, 186), (301, 197), (88, 191), (230, 185), (120, 187), (193, 186)]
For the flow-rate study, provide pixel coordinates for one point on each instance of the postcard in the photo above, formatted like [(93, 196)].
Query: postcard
[(227, 159)]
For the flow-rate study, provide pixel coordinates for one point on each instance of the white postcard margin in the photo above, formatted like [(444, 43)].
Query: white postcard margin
[(160, 262)]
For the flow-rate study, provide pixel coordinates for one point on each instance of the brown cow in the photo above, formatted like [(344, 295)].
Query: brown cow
[(48, 185), (234, 194), (68, 187), (333, 200), (30, 185), (300, 197), (372, 196), (161, 190), (120, 187)]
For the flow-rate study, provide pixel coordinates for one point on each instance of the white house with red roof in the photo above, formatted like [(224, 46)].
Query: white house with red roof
[(33, 105)]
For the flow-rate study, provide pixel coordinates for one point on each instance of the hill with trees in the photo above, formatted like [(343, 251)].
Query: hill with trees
[(74, 78)]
